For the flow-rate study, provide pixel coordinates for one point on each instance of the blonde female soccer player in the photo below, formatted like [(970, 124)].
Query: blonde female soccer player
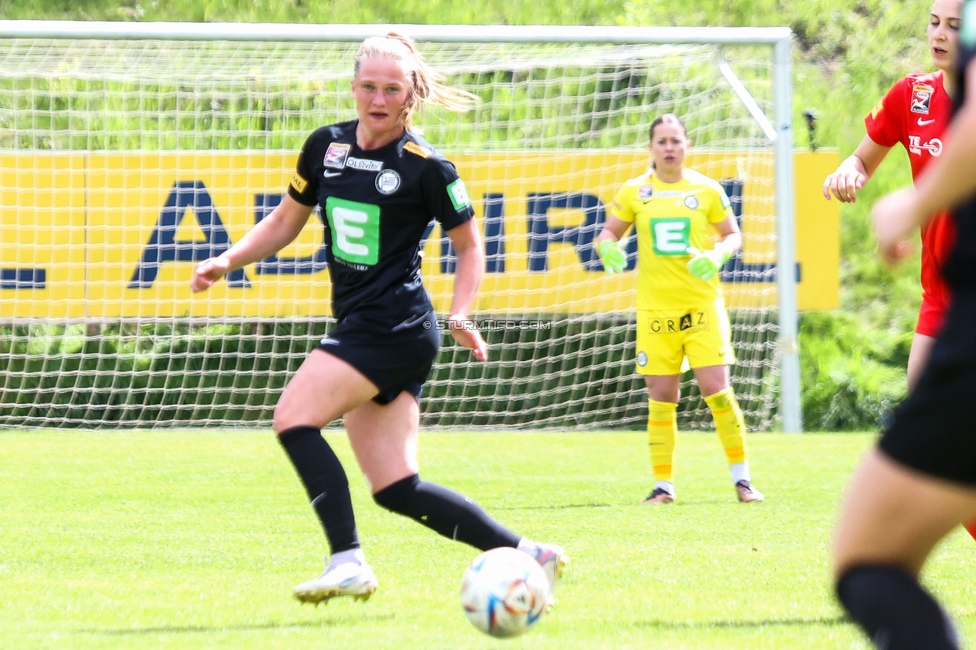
[(378, 184), (677, 213)]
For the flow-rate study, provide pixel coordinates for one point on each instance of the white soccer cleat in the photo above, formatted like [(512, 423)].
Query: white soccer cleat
[(658, 496), (351, 578), (746, 493), (553, 560)]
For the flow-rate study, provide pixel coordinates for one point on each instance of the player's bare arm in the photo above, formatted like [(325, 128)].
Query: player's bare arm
[(613, 229), (466, 240), (856, 170), (730, 238), (269, 236)]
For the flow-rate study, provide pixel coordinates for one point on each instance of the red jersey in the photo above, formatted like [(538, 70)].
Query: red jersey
[(916, 112)]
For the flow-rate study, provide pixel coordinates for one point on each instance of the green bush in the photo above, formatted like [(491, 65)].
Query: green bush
[(850, 376)]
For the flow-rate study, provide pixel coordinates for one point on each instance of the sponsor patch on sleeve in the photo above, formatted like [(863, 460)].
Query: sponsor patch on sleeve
[(413, 147), (877, 110), (726, 203), (459, 194), (299, 183)]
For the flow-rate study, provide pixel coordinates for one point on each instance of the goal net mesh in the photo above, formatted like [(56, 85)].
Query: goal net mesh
[(124, 163)]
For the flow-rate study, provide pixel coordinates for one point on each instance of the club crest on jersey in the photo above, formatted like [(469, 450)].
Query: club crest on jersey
[(336, 154), (691, 202), (642, 359), (921, 98), (387, 181), (646, 192)]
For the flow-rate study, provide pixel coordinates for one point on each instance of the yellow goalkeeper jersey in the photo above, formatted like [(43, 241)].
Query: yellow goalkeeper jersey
[(670, 217)]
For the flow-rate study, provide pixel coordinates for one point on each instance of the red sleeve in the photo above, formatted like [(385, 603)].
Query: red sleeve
[(886, 123)]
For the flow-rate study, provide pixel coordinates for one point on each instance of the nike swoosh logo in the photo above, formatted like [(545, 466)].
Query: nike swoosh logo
[(922, 122), (332, 174)]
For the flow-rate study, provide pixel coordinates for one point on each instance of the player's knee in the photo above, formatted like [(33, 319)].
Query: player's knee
[(286, 417), (398, 496), (281, 424), (282, 420)]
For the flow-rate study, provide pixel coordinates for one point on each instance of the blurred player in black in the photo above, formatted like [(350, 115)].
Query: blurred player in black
[(378, 184), (920, 481)]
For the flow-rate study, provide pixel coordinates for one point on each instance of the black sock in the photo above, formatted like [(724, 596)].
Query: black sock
[(894, 610), (325, 482), (445, 512)]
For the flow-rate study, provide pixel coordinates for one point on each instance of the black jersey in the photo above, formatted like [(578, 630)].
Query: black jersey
[(376, 206), (960, 270)]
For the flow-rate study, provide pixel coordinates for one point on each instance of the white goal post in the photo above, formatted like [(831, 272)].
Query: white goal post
[(130, 151)]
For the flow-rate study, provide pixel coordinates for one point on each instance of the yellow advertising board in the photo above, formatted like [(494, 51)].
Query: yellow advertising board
[(153, 217), (42, 236), (109, 235)]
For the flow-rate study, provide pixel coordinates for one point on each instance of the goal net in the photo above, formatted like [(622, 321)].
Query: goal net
[(124, 162)]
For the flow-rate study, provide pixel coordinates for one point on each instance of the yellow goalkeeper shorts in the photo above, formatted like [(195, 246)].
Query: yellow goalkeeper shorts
[(665, 338)]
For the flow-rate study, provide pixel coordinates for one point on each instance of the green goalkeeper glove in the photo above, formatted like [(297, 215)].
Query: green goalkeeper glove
[(705, 264), (612, 255)]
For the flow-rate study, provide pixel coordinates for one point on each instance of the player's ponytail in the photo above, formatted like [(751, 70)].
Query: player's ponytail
[(427, 85)]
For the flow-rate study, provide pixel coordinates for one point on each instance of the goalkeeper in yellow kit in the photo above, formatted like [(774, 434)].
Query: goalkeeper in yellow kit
[(677, 214)]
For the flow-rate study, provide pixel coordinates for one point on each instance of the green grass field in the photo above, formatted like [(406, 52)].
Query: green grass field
[(195, 539)]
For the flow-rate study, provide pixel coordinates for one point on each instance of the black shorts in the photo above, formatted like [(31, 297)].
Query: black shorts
[(396, 360), (934, 430)]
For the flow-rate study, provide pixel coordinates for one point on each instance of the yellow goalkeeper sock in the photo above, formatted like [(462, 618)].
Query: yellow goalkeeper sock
[(662, 430), (729, 424)]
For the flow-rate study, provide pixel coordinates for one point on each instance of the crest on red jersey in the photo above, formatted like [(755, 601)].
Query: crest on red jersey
[(921, 98)]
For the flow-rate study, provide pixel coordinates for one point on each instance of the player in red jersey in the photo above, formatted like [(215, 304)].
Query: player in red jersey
[(915, 112)]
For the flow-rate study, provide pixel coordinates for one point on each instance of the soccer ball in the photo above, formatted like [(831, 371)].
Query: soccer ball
[(504, 592)]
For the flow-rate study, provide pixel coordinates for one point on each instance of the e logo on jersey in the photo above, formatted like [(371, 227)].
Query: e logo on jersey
[(671, 235), (387, 181), (336, 154), (355, 231), (921, 98)]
